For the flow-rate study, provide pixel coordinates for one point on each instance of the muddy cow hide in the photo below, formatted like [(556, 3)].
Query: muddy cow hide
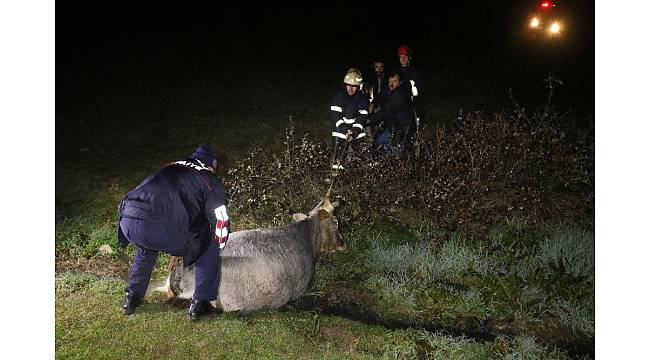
[(266, 268)]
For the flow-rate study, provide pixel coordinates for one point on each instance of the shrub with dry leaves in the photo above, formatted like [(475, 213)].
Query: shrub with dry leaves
[(485, 170)]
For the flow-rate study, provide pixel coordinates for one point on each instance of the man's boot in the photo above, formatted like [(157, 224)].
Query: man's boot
[(131, 301), (199, 308)]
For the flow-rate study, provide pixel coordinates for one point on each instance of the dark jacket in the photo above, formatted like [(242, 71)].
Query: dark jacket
[(414, 77), (396, 109), (378, 84), (349, 113), (181, 201)]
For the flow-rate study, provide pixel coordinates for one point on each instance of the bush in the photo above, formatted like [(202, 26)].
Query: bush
[(481, 173)]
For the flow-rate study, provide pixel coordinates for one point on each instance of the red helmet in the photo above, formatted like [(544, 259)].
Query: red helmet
[(404, 50)]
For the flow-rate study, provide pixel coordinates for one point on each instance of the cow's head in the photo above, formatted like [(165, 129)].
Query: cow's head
[(330, 239)]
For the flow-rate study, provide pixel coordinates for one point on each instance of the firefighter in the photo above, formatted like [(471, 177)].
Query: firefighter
[(349, 111), (181, 210)]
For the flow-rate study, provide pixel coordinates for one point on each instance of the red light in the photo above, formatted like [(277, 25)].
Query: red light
[(545, 5)]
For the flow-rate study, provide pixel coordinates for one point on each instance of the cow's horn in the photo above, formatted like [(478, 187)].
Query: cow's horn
[(327, 206)]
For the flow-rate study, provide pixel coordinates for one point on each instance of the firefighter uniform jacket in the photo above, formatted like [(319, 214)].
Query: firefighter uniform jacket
[(184, 207), (349, 113)]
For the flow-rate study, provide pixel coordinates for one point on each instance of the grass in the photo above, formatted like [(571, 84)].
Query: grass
[(83, 237), (468, 282), (400, 272), (89, 324)]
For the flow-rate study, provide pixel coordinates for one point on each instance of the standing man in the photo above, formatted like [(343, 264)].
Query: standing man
[(377, 84), (349, 111), (180, 210), (413, 78)]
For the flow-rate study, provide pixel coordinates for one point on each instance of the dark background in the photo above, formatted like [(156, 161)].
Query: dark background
[(461, 29), (124, 63)]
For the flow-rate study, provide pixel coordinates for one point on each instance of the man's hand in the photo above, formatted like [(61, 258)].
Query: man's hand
[(348, 136)]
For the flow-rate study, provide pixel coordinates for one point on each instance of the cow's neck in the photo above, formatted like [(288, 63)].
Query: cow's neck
[(314, 236)]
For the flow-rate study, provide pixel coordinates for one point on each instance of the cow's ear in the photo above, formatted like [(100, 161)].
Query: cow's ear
[(322, 214)]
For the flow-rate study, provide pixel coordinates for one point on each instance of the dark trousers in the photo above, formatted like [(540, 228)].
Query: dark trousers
[(149, 240), (340, 150), (403, 134)]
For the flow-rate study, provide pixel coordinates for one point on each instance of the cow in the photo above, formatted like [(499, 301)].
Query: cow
[(267, 268)]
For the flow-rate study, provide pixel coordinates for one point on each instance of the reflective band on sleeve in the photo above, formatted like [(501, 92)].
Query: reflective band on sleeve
[(349, 121), (414, 89), (336, 108), (221, 227), (363, 112), (361, 135), (338, 134), (339, 122), (358, 125)]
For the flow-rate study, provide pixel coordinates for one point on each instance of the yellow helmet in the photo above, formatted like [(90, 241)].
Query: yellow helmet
[(353, 77)]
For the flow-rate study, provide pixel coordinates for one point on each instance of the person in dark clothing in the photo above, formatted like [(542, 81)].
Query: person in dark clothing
[(181, 210), (376, 84), (412, 77), (396, 119), (349, 111)]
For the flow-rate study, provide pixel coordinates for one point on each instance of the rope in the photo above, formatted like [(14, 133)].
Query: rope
[(336, 159)]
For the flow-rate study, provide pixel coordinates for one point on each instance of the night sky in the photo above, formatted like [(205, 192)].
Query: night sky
[(452, 24), (466, 34)]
